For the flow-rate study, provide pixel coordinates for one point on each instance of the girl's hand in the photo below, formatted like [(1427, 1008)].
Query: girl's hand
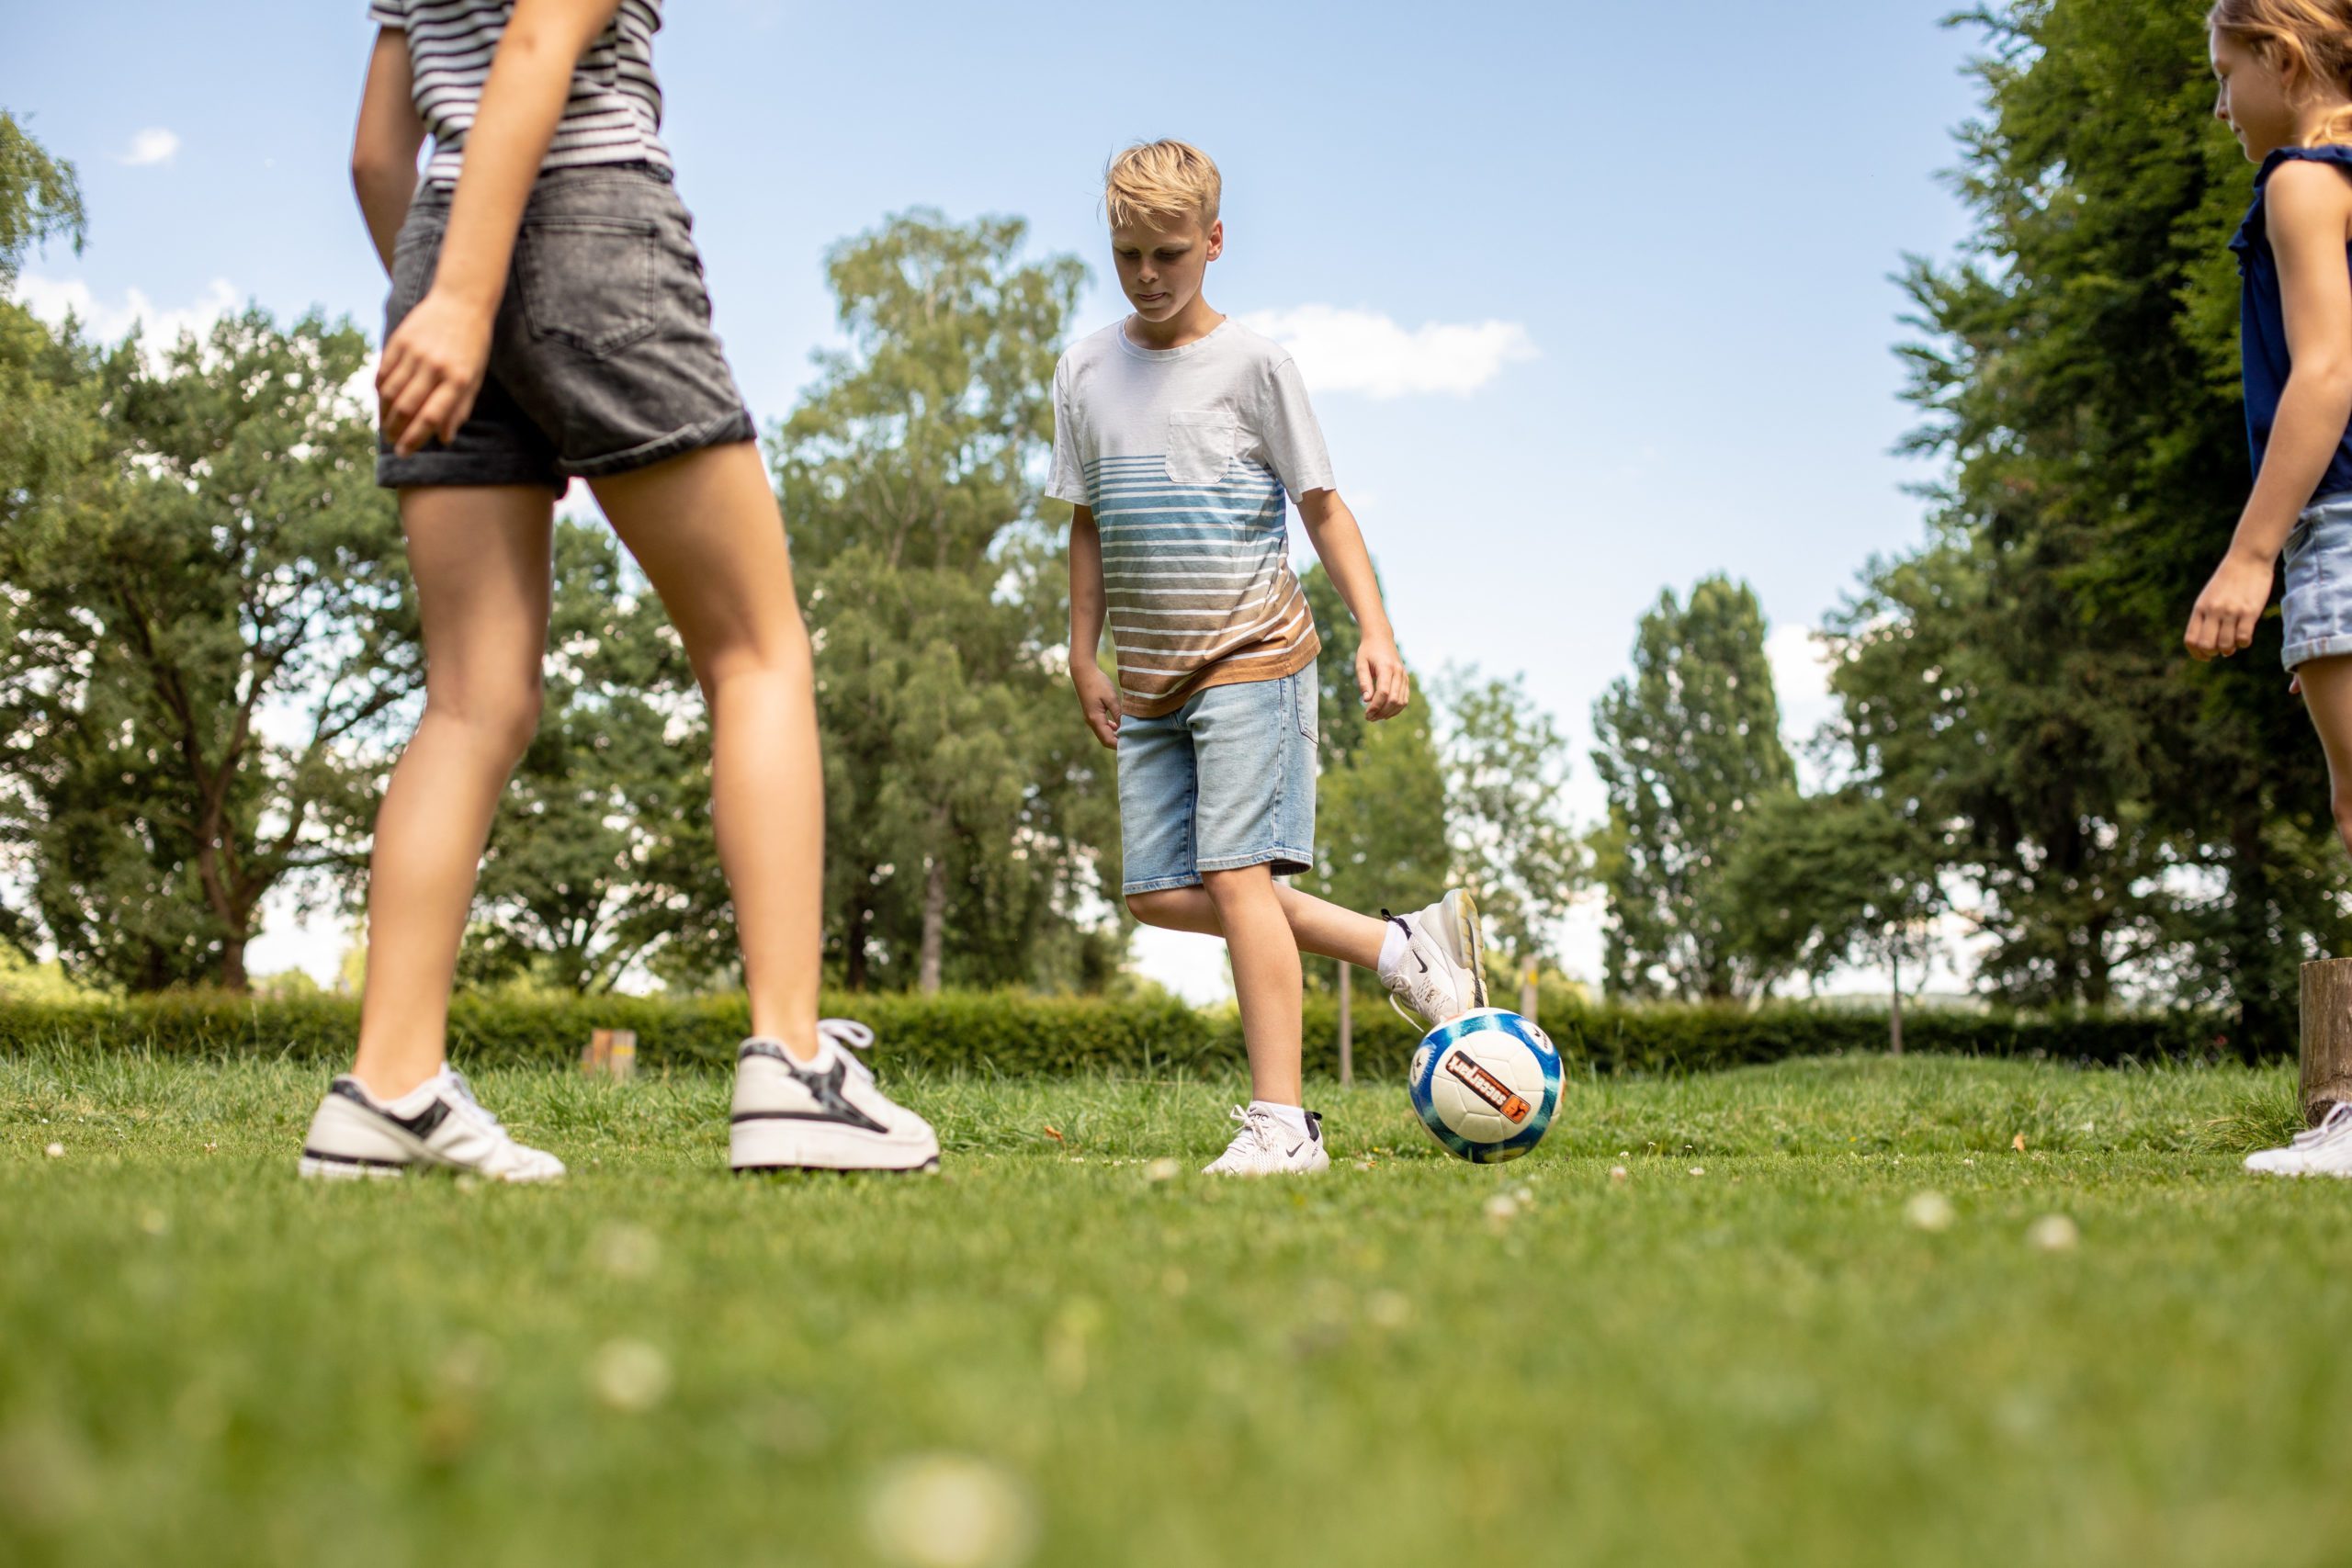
[(2224, 621), (432, 371), (1382, 677), (1098, 701)]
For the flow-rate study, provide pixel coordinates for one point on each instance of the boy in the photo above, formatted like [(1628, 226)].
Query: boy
[(1177, 432)]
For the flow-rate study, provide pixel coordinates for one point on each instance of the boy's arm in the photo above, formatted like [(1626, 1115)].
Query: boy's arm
[(2307, 211), (383, 149), (1098, 699), (1381, 676), (433, 365)]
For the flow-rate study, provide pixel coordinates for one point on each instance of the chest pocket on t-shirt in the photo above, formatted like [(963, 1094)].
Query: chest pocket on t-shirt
[(1200, 445)]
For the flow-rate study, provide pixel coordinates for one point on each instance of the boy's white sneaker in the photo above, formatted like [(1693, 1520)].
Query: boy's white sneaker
[(1264, 1146), (1440, 972), (2323, 1150), (821, 1115), (439, 1126)]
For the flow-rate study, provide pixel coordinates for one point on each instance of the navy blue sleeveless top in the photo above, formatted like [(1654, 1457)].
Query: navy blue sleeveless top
[(2262, 320)]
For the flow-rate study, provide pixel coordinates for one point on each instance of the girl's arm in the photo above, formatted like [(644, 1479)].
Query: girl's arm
[(1381, 676), (433, 365), (383, 150), (2309, 211), (1098, 699)]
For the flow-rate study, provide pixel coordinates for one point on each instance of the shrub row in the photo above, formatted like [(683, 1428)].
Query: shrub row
[(1012, 1034)]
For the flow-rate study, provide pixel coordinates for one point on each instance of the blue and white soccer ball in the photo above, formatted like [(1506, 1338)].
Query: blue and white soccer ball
[(1486, 1085)]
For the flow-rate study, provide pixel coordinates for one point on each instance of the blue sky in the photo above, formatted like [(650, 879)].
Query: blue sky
[(1592, 304)]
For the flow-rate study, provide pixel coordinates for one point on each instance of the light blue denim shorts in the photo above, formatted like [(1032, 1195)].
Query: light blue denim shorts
[(1227, 781), (2317, 607)]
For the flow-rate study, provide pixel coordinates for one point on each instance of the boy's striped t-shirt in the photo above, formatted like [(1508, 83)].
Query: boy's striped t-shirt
[(613, 115), (1184, 455)]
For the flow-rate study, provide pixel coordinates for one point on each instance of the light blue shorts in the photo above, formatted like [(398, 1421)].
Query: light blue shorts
[(2317, 607), (1225, 780)]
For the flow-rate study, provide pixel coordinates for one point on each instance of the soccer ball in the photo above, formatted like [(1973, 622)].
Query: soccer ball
[(1486, 1085)]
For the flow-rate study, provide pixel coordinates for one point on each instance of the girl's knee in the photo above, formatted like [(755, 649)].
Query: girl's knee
[(504, 720), (1156, 908)]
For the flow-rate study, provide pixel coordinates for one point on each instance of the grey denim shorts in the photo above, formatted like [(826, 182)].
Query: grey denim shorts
[(2317, 605), (602, 359)]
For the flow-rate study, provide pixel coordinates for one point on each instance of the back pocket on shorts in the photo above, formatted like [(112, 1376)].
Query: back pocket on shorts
[(1200, 445), (588, 281)]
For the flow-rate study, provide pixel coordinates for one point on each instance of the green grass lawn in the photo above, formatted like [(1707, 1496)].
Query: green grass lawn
[(1742, 1352)]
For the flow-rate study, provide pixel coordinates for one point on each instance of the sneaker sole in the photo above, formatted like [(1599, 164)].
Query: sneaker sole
[(328, 1167), (1463, 910), (790, 1145)]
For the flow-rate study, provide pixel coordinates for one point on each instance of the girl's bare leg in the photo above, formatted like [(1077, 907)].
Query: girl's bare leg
[(481, 559), (2327, 694), (705, 528)]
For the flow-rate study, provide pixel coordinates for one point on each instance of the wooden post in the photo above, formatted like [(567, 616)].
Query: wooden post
[(2327, 1036), (1894, 1005), (609, 1053), (1347, 1024), (1528, 993)]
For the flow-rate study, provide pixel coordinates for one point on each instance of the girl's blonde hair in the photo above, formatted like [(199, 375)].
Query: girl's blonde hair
[(2314, 35), (1160, 180)]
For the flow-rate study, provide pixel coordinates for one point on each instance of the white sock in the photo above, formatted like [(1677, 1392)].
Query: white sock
[(418, 1097), (1392, 950), (1291, 1116)]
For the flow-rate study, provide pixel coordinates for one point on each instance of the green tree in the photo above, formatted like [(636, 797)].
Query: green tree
[(601, 859), (41, 198), (957, 797), (2130, 813), (198, 635), (1819, 880), (1506, 769), (1689, 744)]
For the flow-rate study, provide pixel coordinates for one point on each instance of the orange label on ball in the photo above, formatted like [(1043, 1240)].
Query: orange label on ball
[(1487, 1086)]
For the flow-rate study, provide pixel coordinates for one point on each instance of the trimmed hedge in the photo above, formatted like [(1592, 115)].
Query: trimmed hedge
[(1015, 1033)]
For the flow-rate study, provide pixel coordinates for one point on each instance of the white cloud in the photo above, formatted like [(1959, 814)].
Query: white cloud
[(153, 145), (52, 299), (1364, 351)]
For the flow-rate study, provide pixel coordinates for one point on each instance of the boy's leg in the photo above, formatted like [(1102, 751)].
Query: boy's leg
[(1266, 980), (480, 556), (1317, 925), (705, 528)]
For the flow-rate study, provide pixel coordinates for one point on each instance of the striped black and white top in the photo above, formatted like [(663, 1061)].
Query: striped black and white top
[(615, 112)]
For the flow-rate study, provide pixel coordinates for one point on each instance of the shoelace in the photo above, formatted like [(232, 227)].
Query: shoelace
[(2338, 1119), (481, 1112), (1257, 1125), (850, 1033)]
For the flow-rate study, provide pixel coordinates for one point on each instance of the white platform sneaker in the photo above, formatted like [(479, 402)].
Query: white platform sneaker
[(1442, 974), (821, 1115), (2323, 1150), (438, 1126), (1264, 1146)]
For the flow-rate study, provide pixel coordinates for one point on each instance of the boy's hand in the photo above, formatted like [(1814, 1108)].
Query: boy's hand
[(1382, 677), (2232, 602), (432, 371), (1098, 699)]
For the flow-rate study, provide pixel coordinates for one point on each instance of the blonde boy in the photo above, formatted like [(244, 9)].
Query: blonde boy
[(1178, 433)]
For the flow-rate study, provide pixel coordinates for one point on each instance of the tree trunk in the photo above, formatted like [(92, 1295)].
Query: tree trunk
[(2327, 1036), (1894, 1006), (232, 965), (935, 923), (1347, 1024)]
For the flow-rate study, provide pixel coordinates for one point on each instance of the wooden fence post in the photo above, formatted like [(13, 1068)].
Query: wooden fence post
[(2327, 1036), (1528, 992)]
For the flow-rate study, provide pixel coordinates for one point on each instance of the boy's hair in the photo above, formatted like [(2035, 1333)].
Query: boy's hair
[(1160, 180), (2314, 35)]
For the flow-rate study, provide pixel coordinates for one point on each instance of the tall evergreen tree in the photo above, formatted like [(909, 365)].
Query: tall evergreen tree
[(1689, 744), (2130, 813)]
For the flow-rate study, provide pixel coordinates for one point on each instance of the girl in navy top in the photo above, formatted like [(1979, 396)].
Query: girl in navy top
[(2286, 90)]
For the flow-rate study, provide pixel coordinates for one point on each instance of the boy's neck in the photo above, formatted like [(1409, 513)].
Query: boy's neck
[(1191, 325)]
